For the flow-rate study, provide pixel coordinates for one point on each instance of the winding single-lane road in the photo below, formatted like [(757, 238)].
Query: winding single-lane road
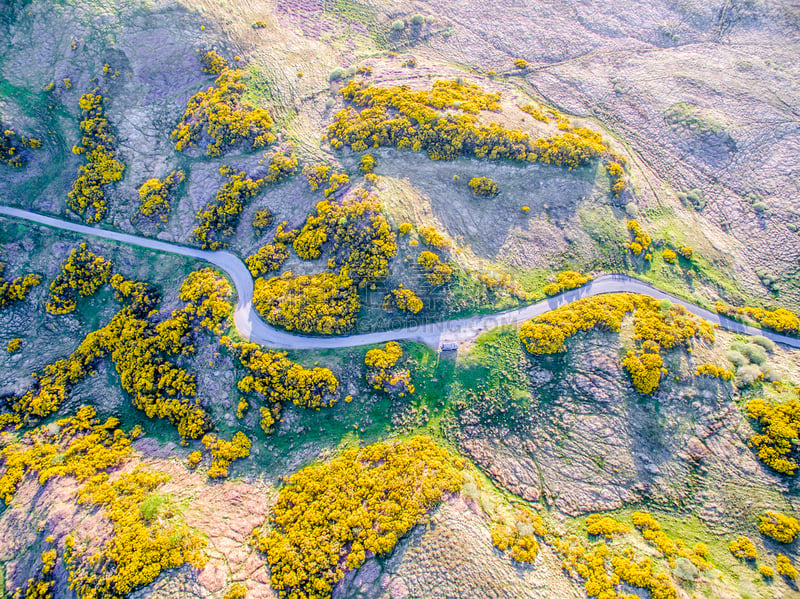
[(251, 327)]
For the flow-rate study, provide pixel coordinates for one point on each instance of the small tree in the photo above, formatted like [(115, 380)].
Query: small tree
[(367, 163), (483, 187)]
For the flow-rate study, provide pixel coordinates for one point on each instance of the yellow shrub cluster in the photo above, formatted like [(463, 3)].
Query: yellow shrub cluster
[(237, 590), (282, 164), (603, 570), (715, 371), (431, 237), (330, 517), (154, 195), (617, 176), (743, 548), (519, 539), (641, 240), (336, 182), (654, 329), (269, 416), (282, 235), (138, 347), (355, 233), (436, 272), (224, 452), (14, 345), (639, 573), (685, 251), (367, 163), (405, 119), (88, 197), (668, 327), (483, 187), (159, 388), (605, 526), (11, 147), (780, 426), (82, 274), (645, 366), (212, 62), (523, 548), (138, 295), (780, 527), (53, 383), (402, 299), (325, 303), (220, 115), (269, 257), (207, 295), (194, 458), (218, 218), (575, 147), (604, 567), (669, 256), (78, 446), (262, 220), (547, 333), (17, 289), (41, 587), (786, 567), (535, 113), (651, 531), (277, 380), (382, 372), (567, 279), (423, 105), (669, 548), (144, 543), (591, 564), (317, 174), (780, 319), (645, 521)]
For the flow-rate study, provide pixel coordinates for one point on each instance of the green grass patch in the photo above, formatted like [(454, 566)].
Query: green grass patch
[(691, 116), (49, 114), (609, 234), (354, 12), (154, 505), (691, 530), (492, 375), (261, 90)]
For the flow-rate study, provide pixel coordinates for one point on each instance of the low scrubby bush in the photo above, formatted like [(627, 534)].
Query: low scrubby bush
[(220, 117), (326, 303), (329, 518), (98, 144), (154, 195), (483, 187), (17, 289), (778, 526)]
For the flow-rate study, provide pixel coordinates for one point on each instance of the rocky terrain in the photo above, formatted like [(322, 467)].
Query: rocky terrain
[(586, 441), (452, 556)]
